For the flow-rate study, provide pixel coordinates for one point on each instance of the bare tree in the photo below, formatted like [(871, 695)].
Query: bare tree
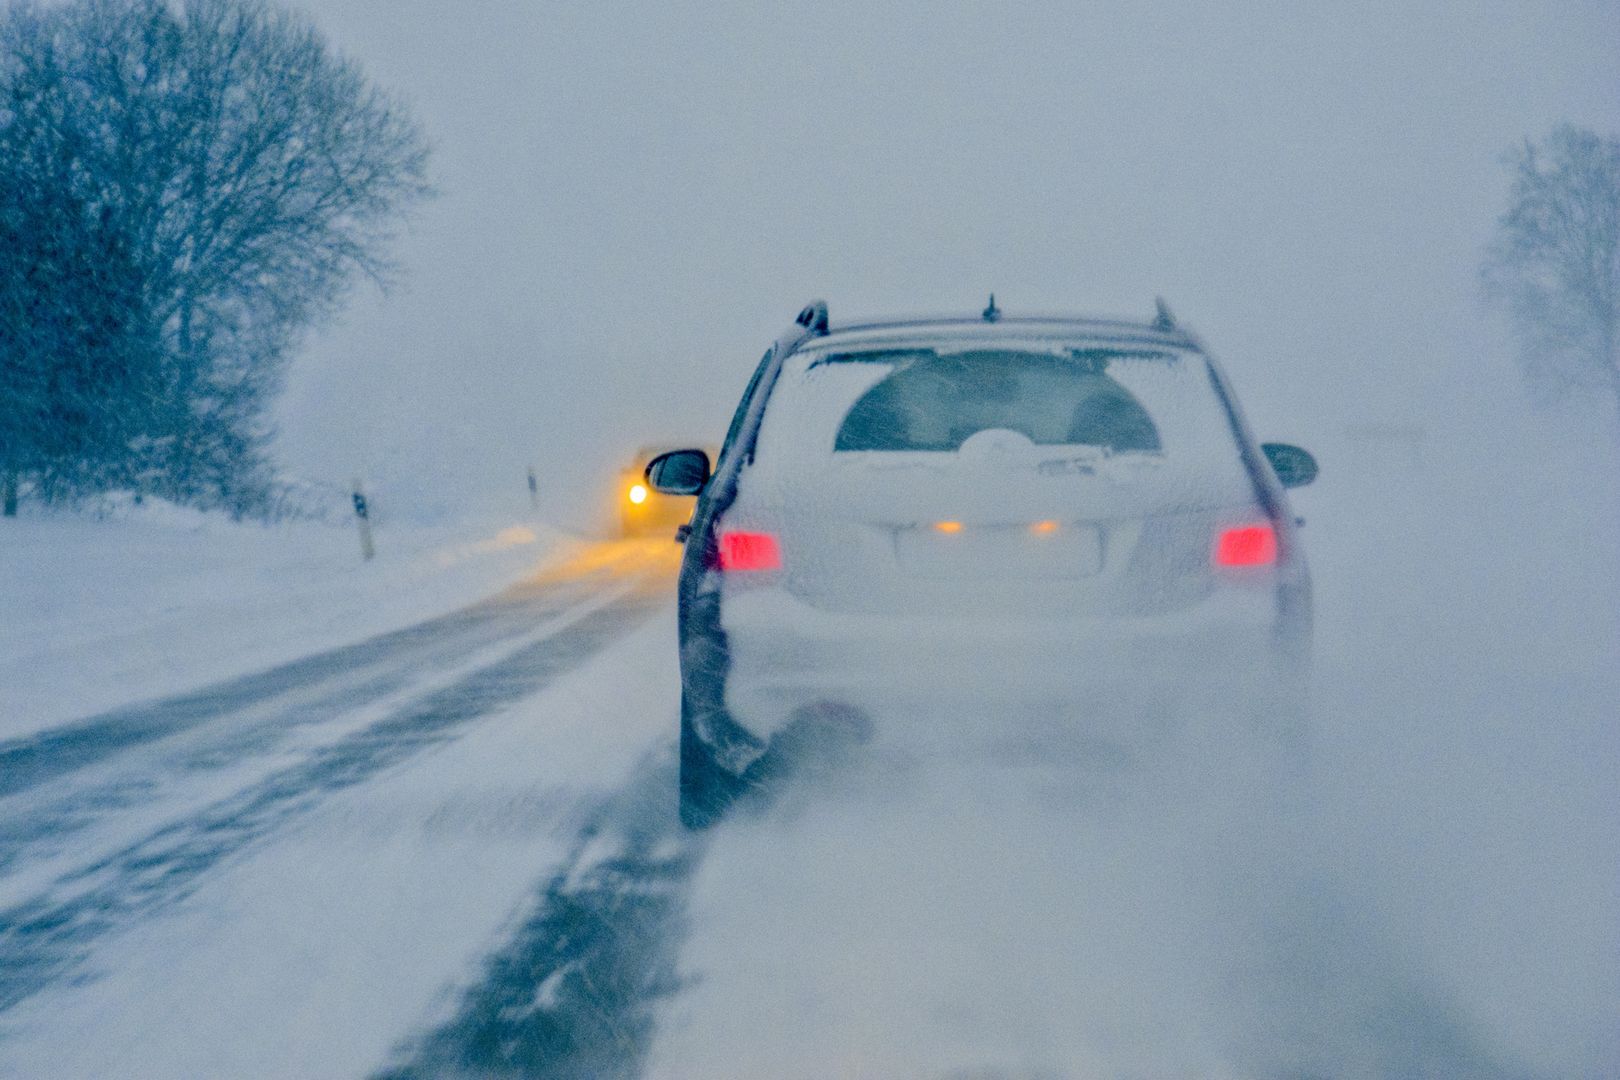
[(243, 171), (1555, 263)]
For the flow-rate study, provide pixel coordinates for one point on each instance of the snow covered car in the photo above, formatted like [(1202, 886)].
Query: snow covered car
[(1011, 517)]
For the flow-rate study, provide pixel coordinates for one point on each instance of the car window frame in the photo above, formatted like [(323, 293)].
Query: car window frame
[(741, 414)]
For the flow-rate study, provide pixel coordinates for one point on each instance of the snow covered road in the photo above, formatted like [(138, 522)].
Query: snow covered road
[(119, 827), (451, 851)]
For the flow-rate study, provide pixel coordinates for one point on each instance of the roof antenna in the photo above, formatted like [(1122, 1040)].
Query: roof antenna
[(1163, 321), (992, 313)]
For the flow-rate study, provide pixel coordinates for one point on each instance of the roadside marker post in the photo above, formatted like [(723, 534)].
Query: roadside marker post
[(534, 490), (362, 515)]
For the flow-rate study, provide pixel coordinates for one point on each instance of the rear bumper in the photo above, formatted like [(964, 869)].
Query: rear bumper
[(1108, 678)]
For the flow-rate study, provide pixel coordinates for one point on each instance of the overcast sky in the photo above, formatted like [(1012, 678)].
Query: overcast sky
[(636, 198)]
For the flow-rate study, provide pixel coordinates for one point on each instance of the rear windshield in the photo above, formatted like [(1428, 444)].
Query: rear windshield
[(937, 402), (1075, 403)]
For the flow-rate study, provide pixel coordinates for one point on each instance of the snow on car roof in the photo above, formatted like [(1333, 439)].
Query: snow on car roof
[(1004, 331)]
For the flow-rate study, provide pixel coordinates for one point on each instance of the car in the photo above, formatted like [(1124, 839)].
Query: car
[(1055, 517), (642, 509)]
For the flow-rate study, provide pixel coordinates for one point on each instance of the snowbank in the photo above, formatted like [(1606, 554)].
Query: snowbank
[(154, 600)]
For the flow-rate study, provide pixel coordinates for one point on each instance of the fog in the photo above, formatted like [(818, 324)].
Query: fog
[(635, 200), (1432, 893)]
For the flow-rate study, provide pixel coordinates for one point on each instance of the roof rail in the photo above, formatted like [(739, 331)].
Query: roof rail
[(814, 317), (1163, 320)]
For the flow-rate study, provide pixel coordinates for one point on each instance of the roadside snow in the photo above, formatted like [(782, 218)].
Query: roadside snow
[(313, 955), (158, 600)]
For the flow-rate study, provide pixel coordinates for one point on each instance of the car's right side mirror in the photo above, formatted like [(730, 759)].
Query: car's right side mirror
[(679, 472), (1294, 465)]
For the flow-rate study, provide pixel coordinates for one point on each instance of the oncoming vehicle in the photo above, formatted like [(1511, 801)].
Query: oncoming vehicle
[(642, 509), (1015, 517)]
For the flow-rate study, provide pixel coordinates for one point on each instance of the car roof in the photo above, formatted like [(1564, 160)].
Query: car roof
[(859, 333), (1070, 330)]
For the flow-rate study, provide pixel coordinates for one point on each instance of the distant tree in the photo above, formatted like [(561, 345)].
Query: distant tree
[(196, 183), (1555, 263)]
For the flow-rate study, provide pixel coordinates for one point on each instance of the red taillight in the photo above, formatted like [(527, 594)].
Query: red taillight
[(749, 551), (1246, 545)]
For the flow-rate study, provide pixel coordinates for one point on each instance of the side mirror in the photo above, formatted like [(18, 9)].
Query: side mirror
[(679, 472), (1294, 466)]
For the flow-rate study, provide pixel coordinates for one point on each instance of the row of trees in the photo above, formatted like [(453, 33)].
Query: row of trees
[(184, 189)]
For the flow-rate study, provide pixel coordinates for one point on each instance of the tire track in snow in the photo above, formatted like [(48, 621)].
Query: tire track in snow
[(573, 994), (46, 938), (31, 760), (349, 679), (576, 991)]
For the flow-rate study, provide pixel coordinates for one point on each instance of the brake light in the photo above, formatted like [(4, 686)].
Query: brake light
[(749, 551), (1246, 545)]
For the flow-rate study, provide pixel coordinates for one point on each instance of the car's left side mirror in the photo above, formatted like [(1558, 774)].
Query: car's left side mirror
[(1294, 466), (679, 472)]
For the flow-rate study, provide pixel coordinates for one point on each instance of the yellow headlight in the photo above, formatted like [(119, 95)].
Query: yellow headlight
[(638, 494)]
